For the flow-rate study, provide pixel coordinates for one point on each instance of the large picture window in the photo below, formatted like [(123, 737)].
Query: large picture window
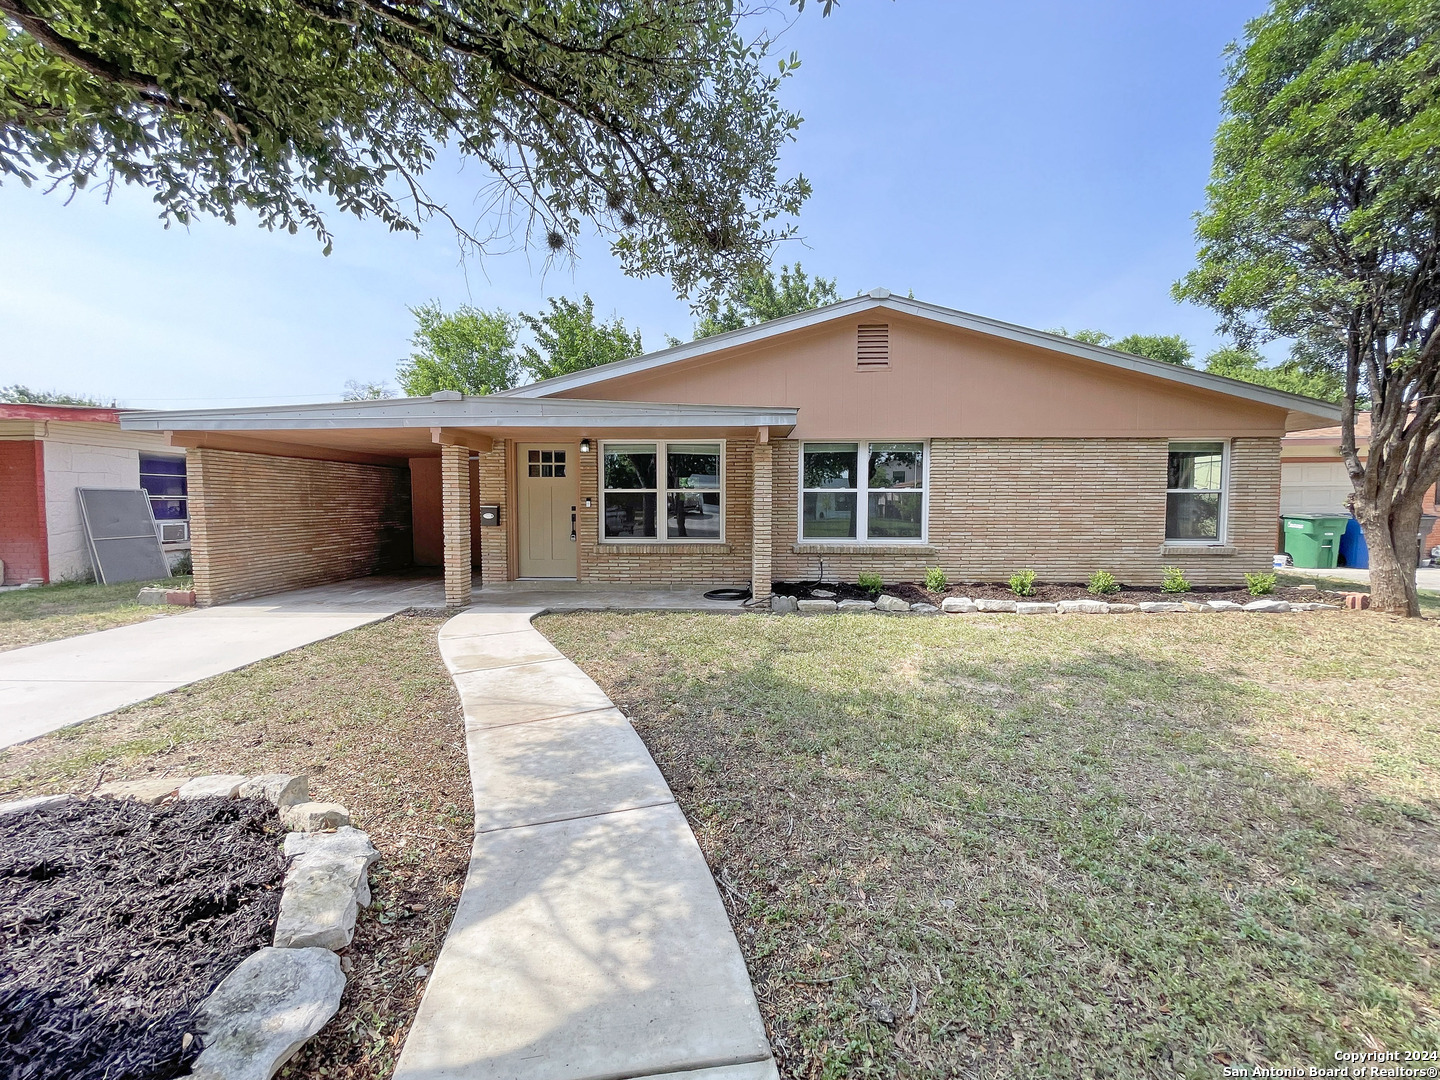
[(662, 491), (869, 490), (1195, 492)]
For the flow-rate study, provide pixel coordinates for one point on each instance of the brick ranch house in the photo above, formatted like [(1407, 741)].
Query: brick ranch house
[(878, 434)]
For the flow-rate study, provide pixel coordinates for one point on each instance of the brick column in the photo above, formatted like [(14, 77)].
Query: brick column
[(494, 544), (760, 505), (455, 498)]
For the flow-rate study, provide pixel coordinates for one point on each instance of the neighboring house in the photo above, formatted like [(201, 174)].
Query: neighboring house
[(877, 434), (46, 452), (1313, 479)]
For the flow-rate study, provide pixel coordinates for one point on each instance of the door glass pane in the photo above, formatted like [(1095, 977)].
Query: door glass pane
[(830, 465), (534, 455), (1192, 516), (829, 515), (896, 465), (560, 469), (895, 514), (691, 465), (534, 469), (1195, 465), (693, 515), (630, 465), (630, 515)]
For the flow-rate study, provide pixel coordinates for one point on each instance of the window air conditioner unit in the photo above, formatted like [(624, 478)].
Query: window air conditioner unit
[(173, 532)]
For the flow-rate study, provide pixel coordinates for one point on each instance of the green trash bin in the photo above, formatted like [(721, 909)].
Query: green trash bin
[(1313, 540)]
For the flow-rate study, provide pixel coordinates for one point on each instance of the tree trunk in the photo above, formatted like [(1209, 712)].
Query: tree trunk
[(1394, 554)]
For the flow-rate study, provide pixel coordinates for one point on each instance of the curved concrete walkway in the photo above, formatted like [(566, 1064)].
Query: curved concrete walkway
[(590, 942)]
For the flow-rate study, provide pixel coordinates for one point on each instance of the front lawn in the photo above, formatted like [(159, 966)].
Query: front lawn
[(50, 612), (373, 719), (1056, 846)]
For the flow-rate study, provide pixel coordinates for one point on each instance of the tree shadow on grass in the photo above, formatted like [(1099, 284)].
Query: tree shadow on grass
[(1071, 865)]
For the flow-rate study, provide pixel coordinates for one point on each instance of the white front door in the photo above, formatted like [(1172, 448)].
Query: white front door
[(547, 487)]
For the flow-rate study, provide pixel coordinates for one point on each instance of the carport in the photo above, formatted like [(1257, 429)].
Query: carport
[(291, 496)]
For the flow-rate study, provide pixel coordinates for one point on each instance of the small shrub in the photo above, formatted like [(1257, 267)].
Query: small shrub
[(183, 566), (1023, 583), (1175, 581), (871, 583), (1260, 584), (1103, 583), (935, 579)]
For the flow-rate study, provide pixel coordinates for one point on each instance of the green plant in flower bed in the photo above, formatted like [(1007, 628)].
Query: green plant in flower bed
[(935, 579), (1023, 583), (871, 583), (1175, 580), (1102, 583), (1260, 584)]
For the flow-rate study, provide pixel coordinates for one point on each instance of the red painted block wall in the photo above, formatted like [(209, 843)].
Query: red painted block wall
[(22, 511)]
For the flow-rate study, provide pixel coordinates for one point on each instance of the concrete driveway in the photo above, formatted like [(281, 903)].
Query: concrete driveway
[(1427, 578), (50, 686)]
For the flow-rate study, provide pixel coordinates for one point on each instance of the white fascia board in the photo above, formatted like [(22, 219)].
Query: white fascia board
[(489, 412), (1201, 380)]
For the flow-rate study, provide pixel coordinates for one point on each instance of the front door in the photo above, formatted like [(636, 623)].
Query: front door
[(547, 512)]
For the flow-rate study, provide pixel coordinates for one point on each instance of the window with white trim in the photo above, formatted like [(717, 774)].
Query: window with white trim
[(639, 480), (862, 490), (1195, 492)]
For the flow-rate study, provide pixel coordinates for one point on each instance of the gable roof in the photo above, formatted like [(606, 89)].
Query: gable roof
[(881, 299)]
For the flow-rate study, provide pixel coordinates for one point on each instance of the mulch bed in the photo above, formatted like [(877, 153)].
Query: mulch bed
[(1047, 593), (117, 919)]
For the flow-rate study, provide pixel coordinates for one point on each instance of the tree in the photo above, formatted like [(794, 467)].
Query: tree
[(570, 339), (759, 296), (15, 394), (652, 121), (1169, 348), (1293, 375), (469, 350), (1322, 225), (367, 391)]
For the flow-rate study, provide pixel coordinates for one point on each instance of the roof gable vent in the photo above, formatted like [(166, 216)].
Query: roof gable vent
[(872, 346)]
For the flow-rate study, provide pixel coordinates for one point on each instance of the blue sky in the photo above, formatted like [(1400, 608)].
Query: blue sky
[(1034, 162)]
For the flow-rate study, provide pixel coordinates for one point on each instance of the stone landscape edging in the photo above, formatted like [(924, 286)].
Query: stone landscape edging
[(277, 998), (964, 605)]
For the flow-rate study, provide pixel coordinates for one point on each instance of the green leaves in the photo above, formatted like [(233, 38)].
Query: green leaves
[(651, 122), (469, 350), (759, 296), (570, 339)]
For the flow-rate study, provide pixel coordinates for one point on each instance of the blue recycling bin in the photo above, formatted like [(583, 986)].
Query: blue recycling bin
[(1353, 549)]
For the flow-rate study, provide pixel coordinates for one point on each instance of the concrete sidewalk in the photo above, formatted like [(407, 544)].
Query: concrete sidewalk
[(1427, 578), (590, 942), (50, 686)]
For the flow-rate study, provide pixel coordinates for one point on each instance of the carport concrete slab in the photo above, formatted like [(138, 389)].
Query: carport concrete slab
[(49, 686), (497, 650), (583, 949), (552, 770), (517, 695)]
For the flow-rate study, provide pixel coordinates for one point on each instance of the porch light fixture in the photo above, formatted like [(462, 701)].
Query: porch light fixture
[(584, 446)]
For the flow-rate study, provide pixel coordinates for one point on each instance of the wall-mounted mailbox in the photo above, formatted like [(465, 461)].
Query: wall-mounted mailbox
[(489, 515)]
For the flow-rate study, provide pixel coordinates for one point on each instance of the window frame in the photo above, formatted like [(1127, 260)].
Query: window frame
[(184, 475), (661, 490), (862, 497), (1222, 524)]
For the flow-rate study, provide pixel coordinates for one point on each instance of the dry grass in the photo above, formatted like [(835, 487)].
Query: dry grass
[(372, 717), (51, 612), (1063, 846)]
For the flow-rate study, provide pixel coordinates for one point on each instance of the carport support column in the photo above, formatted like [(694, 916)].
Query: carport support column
[(455, 499), (760, 507)]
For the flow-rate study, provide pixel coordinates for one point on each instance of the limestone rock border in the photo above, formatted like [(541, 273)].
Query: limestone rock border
[(886, 604), (262, 1013)]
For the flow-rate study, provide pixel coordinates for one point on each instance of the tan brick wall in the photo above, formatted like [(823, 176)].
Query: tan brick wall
[(670, 564), (455, 513), (762, 519), (1062, 507), (493, 541), (261, 524)]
